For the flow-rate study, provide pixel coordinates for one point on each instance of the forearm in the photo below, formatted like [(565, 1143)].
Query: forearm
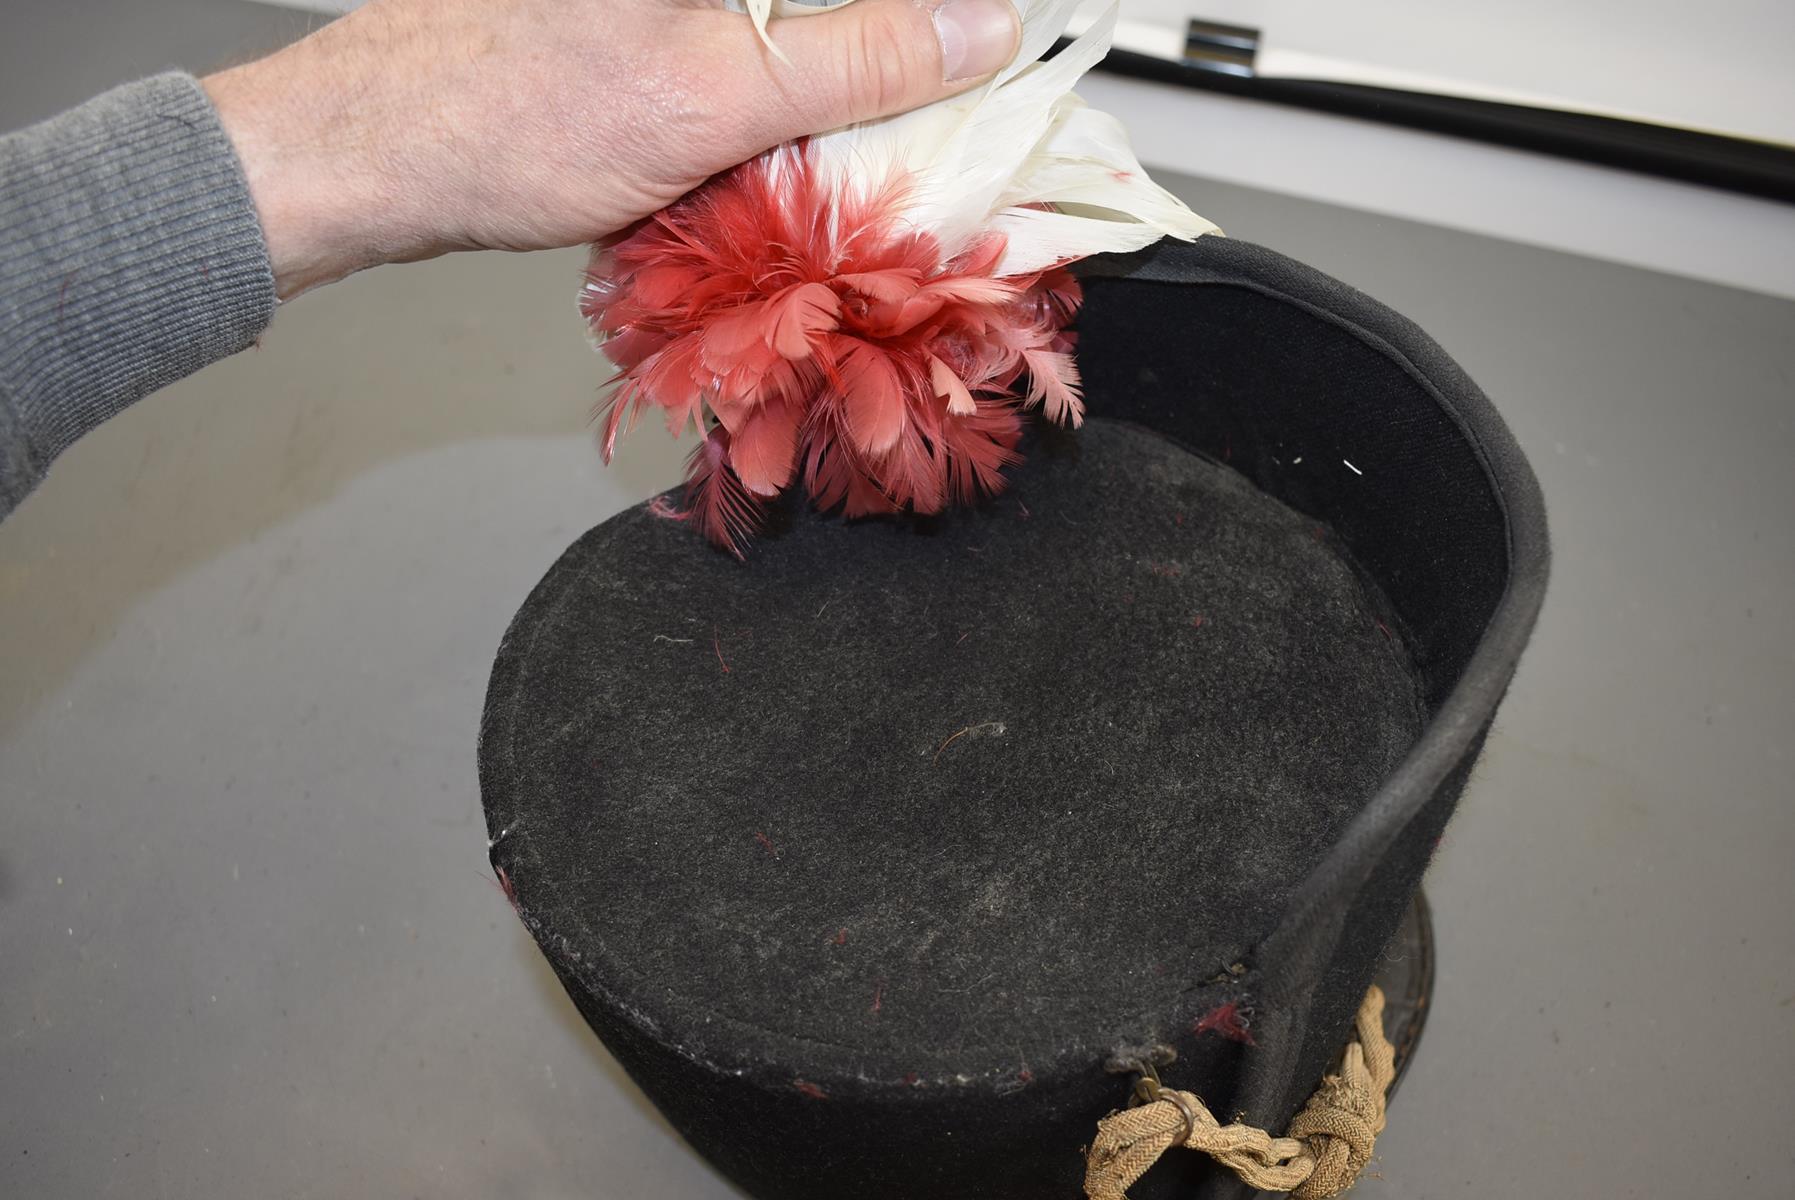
[(130, 256)]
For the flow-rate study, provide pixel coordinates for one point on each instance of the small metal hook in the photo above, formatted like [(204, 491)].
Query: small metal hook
[(1150, 1089), (1148, 1086)]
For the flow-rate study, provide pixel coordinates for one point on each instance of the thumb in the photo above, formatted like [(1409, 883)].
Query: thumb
[(874, 58)]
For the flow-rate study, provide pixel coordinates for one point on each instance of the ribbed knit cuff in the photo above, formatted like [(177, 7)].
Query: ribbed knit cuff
[(130, 256)]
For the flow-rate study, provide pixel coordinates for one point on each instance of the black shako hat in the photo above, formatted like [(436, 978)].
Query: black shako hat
[(872, 858)]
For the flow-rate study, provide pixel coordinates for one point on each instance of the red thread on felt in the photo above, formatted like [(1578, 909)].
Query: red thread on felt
[(504, 885), (767, 844), (830, 343), (1229, 1020), (810, 1089)]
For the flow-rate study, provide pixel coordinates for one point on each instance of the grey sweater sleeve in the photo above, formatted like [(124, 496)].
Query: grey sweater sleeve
[(130, 256)]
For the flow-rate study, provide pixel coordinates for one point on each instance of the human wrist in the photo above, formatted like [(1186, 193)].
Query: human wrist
[(316, 168)]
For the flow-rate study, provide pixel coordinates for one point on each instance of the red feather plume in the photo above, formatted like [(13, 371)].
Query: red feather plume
[(821, 339)]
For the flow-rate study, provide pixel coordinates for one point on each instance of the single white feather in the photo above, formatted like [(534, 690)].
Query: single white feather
[(1043, 21)]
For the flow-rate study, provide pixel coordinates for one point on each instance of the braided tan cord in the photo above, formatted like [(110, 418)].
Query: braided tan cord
[(1329, 1143)]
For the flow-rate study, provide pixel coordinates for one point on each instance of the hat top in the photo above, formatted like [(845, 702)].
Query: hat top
[(941, 801)]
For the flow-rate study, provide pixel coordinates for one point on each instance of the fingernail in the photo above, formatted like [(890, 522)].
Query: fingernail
[(977, 37)]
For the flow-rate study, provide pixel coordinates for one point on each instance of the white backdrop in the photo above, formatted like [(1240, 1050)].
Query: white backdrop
[(1724, 66)]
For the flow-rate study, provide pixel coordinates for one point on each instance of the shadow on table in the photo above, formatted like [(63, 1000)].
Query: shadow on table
[(397, 362)]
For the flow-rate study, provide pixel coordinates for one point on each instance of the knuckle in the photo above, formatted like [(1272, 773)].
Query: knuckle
[(887, 65)]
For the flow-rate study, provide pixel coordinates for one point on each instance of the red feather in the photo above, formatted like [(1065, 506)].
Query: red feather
[(978, 449), (951, 388), (894, 285), (872, 395), (741, 334), (830, 342), (1054, 384), (799, 314), (764, 449), (716, 500)]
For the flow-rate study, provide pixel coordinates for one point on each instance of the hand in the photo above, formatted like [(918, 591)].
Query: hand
[(410, 128)]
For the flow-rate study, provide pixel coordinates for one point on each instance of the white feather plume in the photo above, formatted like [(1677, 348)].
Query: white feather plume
[(1021, 155)]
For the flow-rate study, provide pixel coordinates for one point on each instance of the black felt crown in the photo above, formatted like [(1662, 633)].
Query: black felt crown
[(867, 858)]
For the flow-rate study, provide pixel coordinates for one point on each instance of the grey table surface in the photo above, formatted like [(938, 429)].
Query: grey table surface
[(247, 941)]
